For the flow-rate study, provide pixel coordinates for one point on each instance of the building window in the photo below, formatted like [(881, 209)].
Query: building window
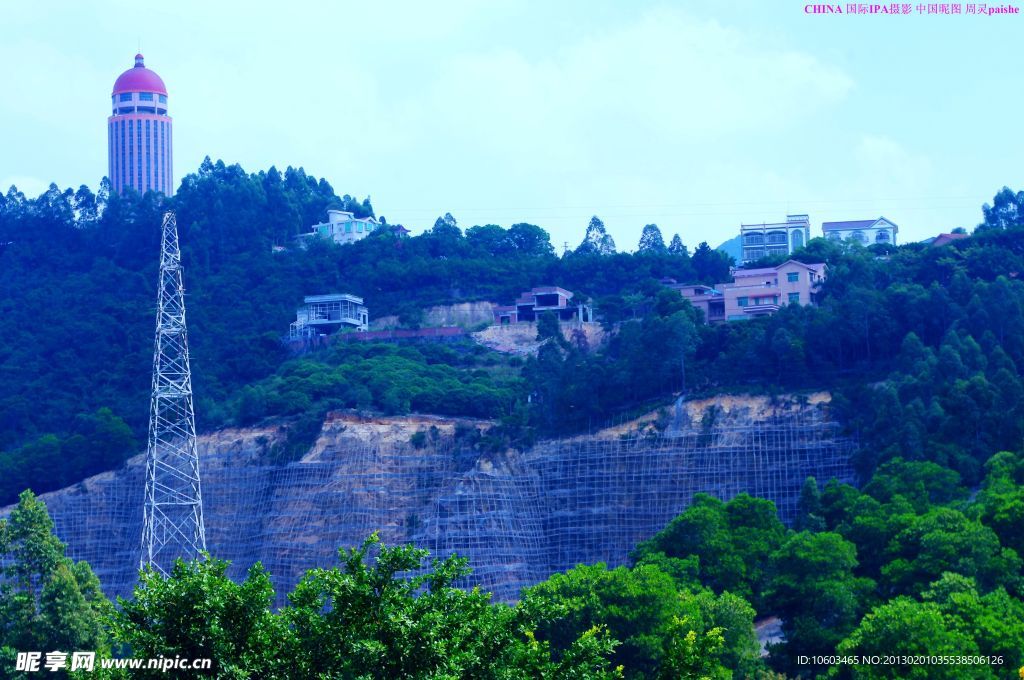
[(126, 96), (882, 236), (123, 152), (741, 302), (794, 298), (798, 239), (833, 236), (858, 236), (146, 96), (131, 154), (149, 160), (753, 239), (359, 227), (138, 156), (162, 98), (776, 238), (793, 277), (348, 227)]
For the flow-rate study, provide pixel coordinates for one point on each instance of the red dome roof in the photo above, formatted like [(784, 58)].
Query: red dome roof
[(139, 79)]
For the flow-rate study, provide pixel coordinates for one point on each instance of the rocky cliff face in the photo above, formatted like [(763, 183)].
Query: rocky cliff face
[(462, 314), (517, 516)]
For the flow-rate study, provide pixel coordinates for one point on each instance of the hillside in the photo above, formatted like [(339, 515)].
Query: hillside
[(76, 326), (518, 516), (920, 349)]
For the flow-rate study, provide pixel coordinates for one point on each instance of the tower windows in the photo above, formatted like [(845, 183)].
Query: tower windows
[(126, 96), (147, 182), (122, 166), (146, 96), (131, 153), (138, 156)]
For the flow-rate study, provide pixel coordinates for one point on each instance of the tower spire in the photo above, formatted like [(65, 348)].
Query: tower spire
[(173, 507)]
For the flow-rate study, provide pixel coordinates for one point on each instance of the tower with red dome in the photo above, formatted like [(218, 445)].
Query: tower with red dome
[(139, 132)]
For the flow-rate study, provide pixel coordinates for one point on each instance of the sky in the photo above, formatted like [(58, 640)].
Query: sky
[(696, 116)]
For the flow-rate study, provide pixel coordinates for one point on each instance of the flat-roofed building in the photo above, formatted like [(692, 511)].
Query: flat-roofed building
[(708, 299), (762, 292), (328, 314), (756, 292), (537, 301), (776, 238)]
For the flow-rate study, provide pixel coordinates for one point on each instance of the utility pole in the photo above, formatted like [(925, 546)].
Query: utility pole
[(173, 509)]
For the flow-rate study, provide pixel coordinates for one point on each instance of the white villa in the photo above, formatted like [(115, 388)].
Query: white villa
[(342, 227), (862, 231)]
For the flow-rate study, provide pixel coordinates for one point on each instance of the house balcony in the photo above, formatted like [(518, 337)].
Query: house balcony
[(334, 320), (761, 309)]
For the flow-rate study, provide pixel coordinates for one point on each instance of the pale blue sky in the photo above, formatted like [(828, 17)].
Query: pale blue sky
[(693, 115)]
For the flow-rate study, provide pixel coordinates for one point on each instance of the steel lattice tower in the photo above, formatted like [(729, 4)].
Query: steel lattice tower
[(173, 512)]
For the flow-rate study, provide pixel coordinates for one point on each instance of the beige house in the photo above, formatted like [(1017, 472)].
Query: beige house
[(757, 292)]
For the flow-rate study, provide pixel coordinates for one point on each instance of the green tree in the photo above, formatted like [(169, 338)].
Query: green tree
[(597, 241), (548, 327), (530, 240), (651, 240), (906, 627), (661, 629), (198, 612), (1001, 499), (47, 601), (1007, 210), (816, 594), (810, 508), (676, 247), (994, 620), (733, 543), (371, 621), (944, 539)]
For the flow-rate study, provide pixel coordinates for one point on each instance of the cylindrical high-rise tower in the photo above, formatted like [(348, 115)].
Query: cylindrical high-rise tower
[(139, 132)]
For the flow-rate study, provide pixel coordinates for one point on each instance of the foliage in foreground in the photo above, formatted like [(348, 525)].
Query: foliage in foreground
[(384, 617), (47, 601)]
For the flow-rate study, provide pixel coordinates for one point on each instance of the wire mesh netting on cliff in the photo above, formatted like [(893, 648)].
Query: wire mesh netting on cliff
[(518, 517)]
